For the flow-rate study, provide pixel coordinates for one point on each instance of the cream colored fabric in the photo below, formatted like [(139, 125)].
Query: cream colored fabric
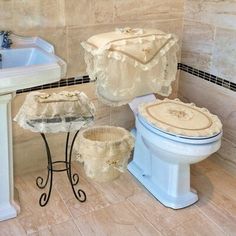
[(105, 151), (56, 112), (185, 119), (131, 62)]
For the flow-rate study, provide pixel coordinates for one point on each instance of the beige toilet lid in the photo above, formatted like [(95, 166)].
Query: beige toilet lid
[(184, 119)]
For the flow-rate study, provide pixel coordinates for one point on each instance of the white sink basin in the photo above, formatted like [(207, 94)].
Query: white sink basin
[(31, 62), (29, 65), (20, 57)]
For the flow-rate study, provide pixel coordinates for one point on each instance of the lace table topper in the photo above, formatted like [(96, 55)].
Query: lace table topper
[(56, 112)]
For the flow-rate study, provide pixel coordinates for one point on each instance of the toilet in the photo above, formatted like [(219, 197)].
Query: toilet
[(171, 135), (132, 63)]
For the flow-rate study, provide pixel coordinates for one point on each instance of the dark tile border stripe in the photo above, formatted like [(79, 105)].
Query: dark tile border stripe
[(85, 79), (61, 83), (208, 77)]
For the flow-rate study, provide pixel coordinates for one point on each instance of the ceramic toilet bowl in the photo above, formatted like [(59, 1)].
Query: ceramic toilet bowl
[(177, 149), (162, 159)]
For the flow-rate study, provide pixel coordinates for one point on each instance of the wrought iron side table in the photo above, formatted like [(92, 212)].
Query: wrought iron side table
[(41, 182)]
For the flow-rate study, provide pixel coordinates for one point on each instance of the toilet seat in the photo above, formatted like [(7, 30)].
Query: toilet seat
[(177, 138), (175, 119)]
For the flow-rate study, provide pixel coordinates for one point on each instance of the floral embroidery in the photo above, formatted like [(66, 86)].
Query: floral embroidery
[(180, 114), (112, 162)]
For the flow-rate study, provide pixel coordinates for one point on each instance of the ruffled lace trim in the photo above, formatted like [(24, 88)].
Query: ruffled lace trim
[(123, 73), (215, 127), (98, 72), (113, 151), (119, 56), (52, 113)]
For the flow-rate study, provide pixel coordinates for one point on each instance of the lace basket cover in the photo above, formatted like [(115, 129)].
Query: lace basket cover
[(105, 151), (56, 112), (131, 62)]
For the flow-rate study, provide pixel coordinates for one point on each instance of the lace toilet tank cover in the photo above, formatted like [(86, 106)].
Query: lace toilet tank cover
[(131, 62)]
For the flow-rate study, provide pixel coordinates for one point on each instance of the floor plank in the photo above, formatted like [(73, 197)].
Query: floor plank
[(118, 219), (125, 207)]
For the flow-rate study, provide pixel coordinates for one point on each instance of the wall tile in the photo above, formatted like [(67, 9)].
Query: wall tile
[(176, 27), (221, 13), (139, 10), (30, 14), (103, 11), (79, 13), (6, 14), (198, 39), (218, 100), (176, 9), (198, 10), (88, 12), (197, 60), (209, 37), (224, 55), (198, 33)]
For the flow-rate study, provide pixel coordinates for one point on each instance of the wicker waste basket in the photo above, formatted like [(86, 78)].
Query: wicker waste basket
[(105, 151)]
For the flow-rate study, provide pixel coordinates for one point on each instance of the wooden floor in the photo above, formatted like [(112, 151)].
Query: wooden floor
[(124, 207)]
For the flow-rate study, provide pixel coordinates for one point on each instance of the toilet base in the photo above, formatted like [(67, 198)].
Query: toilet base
[(169, 201)]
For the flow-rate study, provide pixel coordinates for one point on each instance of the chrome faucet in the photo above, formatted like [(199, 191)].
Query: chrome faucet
[(6, 41)]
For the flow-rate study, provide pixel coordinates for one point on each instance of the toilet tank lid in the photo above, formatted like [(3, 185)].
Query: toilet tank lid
[(179, 118), (140, 45)]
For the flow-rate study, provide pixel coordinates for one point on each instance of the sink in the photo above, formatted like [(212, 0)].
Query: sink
[(24, 57), (31, 62), (29, 65)]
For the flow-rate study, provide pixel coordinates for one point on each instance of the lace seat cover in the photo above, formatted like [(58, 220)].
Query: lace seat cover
[(182, 119)]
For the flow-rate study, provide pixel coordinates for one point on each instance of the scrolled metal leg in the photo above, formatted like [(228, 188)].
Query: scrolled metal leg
[(66, 153), (44, 198), (40, 180), (74, 179)]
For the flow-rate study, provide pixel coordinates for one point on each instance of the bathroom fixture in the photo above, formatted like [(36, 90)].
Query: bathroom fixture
[(5, 41), (31, 62), (170, 135)]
